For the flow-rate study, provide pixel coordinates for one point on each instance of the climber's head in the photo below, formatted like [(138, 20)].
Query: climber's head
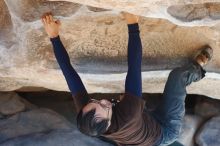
[(95, 118)]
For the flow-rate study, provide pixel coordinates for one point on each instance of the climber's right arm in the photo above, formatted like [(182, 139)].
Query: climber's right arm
[(73, 80)]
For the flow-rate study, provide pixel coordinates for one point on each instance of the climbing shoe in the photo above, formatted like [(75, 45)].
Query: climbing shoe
[(204, 55)]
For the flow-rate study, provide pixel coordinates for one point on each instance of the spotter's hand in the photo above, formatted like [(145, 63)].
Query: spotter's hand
[(51, 26)]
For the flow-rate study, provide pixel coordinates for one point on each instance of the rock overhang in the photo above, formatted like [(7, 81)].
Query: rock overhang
[(96, 39), (199, 12)]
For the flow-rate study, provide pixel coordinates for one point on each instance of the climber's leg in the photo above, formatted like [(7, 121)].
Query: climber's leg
[(171, 110)]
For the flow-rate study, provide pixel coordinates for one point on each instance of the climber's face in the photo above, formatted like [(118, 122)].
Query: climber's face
[(103, 109)]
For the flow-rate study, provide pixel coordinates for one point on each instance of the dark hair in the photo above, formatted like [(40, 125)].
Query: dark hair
[(87, 123)]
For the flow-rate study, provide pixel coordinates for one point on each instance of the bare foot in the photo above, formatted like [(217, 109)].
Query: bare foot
[(130, 18)]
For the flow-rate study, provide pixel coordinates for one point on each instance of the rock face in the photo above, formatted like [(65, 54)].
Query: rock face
[(96, 38), (190, 125), (28, 125), (191, 12), (209, 134), (10, 103), (207, 108), (176, 11), (42, 127), (55, 138)]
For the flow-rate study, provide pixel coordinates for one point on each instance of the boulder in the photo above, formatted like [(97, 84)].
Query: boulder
[(33, 121), (209, 134), (195, 12), (24, 124), (207, 108), (55, 138), (11, 103), (191, 124), (43, 127), (95, 36)]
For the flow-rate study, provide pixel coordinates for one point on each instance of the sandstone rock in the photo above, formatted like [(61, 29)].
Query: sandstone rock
[(10, 103), (209, 133), (30, 125), (190, 125), (207, 108), (42, 127), (191, 12), (6, 36), (55, 138), (31, 10), (204, 10), (5, 17), (96, 38), (29, 122)]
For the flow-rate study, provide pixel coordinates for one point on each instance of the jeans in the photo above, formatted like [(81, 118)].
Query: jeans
[(171, 110)]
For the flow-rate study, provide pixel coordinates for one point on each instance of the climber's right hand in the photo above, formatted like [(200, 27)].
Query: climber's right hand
[(51, 26), (130, 18)]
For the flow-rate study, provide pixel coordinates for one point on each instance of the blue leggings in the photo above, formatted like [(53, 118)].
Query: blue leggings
[(133, 78)]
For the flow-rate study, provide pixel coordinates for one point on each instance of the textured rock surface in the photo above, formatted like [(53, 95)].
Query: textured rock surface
[(183, 10), (55, 138), (37, 126), (209, 134), (190, 125), (207, 108), (96, 39), (33, 121), (10, 103), (192, 12)]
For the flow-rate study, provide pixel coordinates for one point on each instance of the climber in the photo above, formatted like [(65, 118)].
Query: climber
[(127, 122)]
